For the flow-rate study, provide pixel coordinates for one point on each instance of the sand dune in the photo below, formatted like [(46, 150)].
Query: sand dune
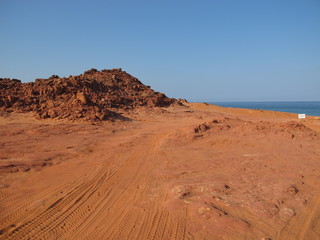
[(193, 172)]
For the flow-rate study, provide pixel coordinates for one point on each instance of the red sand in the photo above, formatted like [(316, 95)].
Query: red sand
[(196, 172)]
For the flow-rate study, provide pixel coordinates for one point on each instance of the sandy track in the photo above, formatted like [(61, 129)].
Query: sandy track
[(105, 205), (158, 179), (306, 225)]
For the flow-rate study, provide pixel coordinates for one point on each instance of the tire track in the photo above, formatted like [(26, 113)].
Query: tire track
[(19, 208), (106, 205), (120, 216), (120, 198), (300, 227), (53, 211)]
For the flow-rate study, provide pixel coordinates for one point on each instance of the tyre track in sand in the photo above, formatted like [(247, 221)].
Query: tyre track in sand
[(302, 226), (17, 208), (43, 223), (114, 203), (127, 212)]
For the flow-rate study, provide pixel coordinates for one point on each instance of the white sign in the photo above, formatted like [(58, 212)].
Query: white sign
[(301, 116)]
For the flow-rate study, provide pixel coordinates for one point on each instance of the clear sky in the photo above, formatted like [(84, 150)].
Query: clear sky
[(218, 50)]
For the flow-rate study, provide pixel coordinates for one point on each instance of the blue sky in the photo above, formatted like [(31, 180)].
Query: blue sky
[(199, 50)]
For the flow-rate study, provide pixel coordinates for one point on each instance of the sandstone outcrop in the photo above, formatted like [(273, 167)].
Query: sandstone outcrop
[(93, 95)]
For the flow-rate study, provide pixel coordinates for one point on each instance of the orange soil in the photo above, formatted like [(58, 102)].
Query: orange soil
[(202, 172)]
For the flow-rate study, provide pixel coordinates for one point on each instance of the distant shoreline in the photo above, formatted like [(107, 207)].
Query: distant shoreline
[(311, 108)]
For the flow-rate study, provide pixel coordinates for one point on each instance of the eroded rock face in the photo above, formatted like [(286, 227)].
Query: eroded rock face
[(93, 95)]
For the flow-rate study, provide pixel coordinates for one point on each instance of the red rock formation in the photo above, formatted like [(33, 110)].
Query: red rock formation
[(93, 95)]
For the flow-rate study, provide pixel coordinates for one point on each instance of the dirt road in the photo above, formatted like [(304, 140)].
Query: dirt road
[(236, 177)]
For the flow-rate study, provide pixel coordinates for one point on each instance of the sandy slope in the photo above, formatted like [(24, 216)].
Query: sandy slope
[(202, 172)]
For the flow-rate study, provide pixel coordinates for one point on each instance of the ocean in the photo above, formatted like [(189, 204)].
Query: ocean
[(309, 108)]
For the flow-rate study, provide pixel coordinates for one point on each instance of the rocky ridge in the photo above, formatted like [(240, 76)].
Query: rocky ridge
[(93, 95)]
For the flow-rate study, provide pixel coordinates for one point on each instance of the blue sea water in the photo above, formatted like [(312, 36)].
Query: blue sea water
[(309, 108)]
